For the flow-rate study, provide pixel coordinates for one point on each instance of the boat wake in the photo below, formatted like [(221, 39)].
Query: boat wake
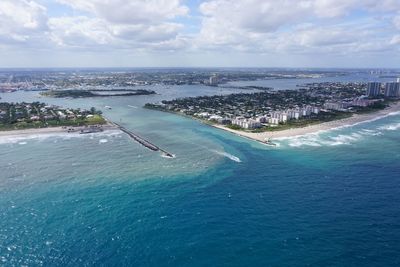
[(227, 155)]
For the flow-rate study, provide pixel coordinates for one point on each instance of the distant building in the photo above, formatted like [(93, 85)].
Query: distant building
[(316, 110), (215, 117), (280, 116), (261, 119), (214, 80), (392, 89), (373, 89), (274, 121), (398, 80), (246, 123), (294, 114), (224, 121), (334, 106)]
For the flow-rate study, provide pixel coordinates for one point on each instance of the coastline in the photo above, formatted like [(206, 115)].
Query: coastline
[(347, 122), (49, 130)]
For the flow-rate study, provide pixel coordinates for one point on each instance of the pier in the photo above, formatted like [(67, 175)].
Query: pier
[(143, 141)]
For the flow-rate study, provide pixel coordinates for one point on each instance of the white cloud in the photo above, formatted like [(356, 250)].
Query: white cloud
[(288, 25), (253, 15), (395, 40), (146, 33), (21, 20), (85, 32), (396, 22), (131, 11), (79, 31), (313, 28), (337, 8), (128, 24)]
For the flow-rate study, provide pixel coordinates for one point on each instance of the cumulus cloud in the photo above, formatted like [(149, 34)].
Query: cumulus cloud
[(135, 23), (21, 20), (307, 27), (395, 40), (396, 22), (79, 31), (132, 11), (291, 25)]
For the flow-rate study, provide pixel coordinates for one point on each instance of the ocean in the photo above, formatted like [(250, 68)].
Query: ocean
[(325, 199)]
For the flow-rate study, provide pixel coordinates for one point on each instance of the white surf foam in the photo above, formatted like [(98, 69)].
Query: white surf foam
[(390, 127), (167, 157), (318, 140), (14, 139)]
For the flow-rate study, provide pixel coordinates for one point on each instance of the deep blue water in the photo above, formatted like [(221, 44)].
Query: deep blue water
[(329, 199)]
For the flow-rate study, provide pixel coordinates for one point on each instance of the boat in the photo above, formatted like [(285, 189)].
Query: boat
[(269, 142), (107, 107)]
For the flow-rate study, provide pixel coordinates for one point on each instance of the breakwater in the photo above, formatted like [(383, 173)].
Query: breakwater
[(143, 141)]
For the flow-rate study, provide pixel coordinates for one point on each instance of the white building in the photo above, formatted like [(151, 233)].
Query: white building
[(316, 110), (293, 114), (246, 123), (274, 121), (373, 88), (261, 119), (392, 89), (333, 105), (213, 80), (62, 115), (215, 117)]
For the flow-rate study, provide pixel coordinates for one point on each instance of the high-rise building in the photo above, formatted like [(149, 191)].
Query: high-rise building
[(392, 89), (398, 80), (373, 88), (214, 80)]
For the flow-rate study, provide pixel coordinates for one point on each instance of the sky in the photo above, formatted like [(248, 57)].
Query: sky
[(196, 33)]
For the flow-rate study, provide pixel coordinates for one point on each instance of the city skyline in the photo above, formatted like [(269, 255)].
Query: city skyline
[(214, 33)]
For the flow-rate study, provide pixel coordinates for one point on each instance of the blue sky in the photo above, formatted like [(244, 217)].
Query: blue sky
[(195, 33)]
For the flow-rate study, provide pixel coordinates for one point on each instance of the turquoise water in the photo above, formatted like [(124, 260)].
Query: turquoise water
[(325, 199)]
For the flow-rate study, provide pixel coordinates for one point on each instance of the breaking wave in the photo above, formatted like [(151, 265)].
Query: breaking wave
[(336, 139), (22, 139), (390, 127)]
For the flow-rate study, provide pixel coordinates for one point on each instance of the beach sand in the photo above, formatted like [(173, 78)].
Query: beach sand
[(355, 119), (45, 131)]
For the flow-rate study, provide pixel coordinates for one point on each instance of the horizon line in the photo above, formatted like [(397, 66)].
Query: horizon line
[(203, 67)]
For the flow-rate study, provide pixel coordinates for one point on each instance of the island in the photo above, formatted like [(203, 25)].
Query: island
[(283, 113), (121, 79), (36, 117), (76, 93)]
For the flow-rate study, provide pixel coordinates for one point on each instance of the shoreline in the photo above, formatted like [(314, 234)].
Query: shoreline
[(312, 129), (49, 130)]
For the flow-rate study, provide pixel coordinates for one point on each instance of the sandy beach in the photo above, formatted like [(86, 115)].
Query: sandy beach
[(355, 119), (46, 131)]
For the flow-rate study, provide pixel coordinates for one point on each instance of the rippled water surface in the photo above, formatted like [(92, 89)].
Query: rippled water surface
[(330, 198)]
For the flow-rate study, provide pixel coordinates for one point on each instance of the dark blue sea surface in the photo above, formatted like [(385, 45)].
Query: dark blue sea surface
[(327, 199)]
